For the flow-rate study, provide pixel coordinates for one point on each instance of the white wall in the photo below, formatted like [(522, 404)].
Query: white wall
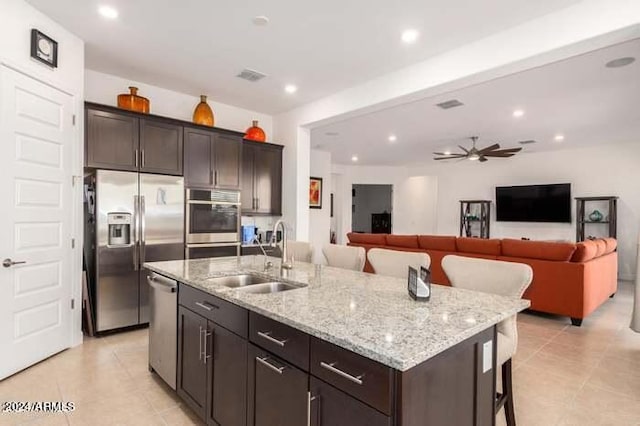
[(369, 199), (603, 170), (17, 18), (416, 206), (320, 219), (104, 88)]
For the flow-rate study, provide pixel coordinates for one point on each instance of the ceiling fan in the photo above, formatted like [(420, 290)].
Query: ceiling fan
[(478, 154)]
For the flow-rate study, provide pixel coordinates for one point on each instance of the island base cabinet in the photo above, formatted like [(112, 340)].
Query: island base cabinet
[(192, 369), (228, 383), (332, 407), (278, 392)]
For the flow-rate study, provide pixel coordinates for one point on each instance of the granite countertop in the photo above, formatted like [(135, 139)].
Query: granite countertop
[(371, 315)]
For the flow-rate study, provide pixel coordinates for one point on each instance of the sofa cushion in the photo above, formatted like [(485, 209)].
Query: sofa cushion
[(375, 239), (601, 246), (543, 250), (409, 241), (437, 242), (478, 245), (585, 250), (611, 244)]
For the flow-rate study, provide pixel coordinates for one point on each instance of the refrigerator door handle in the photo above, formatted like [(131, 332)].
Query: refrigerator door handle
[(136, 230), (143, 226)]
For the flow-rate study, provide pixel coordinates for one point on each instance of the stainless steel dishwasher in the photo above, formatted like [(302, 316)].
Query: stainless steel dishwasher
[(163, 319)]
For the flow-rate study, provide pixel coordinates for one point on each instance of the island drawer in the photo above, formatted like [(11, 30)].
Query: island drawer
[(288, 343), (226, 314), (360, 377)]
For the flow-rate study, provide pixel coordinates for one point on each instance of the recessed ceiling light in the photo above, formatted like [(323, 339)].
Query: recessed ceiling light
[(620, 62), (290, 88), (409, 36), (558, 138), (354, 158), (108, 12), (260, 21), (518, 113), (393, 138)]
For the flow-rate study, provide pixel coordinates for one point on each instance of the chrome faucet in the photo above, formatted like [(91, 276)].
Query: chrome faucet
[(274, 240), (267, 263)]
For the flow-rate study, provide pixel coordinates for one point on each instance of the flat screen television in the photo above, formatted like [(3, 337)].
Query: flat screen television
[(534, 203)]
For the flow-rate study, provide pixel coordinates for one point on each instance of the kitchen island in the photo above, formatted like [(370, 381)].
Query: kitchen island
[(340, 348)]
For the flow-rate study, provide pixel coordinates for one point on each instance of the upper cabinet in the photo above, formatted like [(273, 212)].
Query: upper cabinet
[(212, 159), (261, 179), (120, 140)]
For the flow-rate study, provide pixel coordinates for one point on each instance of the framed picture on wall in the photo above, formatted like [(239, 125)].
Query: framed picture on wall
[(44, 48), (315, 193)]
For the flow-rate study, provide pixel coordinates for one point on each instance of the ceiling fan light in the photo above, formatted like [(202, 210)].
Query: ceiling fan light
[(474, 157)]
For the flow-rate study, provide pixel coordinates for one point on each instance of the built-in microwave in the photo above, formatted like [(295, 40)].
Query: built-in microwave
[(212, 217)]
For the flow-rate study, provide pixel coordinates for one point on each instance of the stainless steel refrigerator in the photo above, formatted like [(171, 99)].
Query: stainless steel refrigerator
[(135, 218)]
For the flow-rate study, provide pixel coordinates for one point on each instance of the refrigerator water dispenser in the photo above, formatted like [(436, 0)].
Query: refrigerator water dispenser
[(119, 229)]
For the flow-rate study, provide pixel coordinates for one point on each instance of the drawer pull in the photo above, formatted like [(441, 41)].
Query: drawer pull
[(267, 335), (267, 364), (207, 306), (330, 367)]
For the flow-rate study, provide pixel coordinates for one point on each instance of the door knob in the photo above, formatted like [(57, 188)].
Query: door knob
[(8, 263)]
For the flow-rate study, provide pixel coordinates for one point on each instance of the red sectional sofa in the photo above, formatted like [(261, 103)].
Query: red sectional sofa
[(568, 278)]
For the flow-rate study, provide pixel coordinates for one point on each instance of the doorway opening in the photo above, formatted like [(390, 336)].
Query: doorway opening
[(371, 208)]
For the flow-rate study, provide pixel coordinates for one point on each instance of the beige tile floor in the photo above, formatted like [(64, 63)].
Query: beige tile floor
[(563, 375)]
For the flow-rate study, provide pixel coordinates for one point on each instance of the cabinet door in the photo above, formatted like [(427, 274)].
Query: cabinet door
[(278, 392), (228, 383), (332, 407), (198, 151), (192, 367), (247, 195), (112, 141), (268, 181), (160, 147), (227, 160)]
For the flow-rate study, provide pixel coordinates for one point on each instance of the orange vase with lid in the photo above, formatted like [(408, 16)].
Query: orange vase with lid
[(255, 133), (133, 102), (203, 114)]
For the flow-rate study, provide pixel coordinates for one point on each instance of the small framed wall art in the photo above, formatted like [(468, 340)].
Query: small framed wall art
[(44, 48), (315, 193)]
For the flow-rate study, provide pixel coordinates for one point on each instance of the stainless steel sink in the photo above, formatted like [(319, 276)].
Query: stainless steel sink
[(243, 280), (266, 288)]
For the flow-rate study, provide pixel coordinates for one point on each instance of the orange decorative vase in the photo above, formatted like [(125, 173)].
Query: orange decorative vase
[(255, 133), (203, 113), (133, 102)]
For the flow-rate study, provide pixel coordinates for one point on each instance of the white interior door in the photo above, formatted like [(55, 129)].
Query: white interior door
[(36, 136)]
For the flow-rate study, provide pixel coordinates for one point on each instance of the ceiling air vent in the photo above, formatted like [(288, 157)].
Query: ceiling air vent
[(450, 104), (251, 75), (527, 142)]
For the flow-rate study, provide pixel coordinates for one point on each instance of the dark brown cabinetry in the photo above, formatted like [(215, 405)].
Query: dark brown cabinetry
[(212, 160), (212, 360), (261, 179), (278, 391), (160, 147), (192, 369), (112, 140), (120, 140), (240, 368)]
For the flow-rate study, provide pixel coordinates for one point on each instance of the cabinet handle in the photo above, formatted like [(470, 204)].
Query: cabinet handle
[(310, 399), (330, 367), (206, 336), (200, 343), (215, 177), (210, 177), (264, 361), (257, 203), (267, 335), (142, 155), (135, 158), (207, 306)]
